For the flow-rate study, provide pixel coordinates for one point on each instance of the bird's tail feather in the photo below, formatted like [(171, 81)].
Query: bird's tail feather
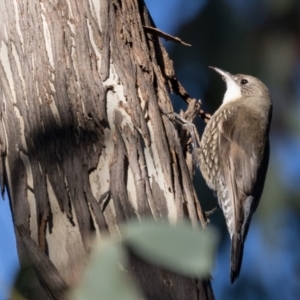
[(237, 249)]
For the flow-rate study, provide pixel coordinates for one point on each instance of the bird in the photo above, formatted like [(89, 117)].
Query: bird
[(233, 155)]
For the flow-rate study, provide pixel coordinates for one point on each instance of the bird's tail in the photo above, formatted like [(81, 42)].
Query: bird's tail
[(236, 256)]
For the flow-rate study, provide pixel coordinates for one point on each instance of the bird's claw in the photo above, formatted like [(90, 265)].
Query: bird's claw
[(210, 212)]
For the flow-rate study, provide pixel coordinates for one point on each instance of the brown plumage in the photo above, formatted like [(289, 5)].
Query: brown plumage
[(234, 154)]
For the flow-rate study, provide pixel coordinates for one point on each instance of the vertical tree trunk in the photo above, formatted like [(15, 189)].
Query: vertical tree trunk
[(84, 145)]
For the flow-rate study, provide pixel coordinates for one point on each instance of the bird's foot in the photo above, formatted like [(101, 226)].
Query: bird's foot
[(210, 212), (185, 120)]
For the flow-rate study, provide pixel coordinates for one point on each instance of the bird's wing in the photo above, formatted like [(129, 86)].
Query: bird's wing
[(241, 156)]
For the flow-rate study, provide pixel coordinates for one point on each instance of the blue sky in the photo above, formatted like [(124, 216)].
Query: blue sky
[(8, 252)]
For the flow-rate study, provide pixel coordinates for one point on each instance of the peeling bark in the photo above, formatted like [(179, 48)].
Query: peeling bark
[(81, 86)]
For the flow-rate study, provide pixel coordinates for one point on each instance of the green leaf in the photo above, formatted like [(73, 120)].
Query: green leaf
[(177, 247), (105, 276)]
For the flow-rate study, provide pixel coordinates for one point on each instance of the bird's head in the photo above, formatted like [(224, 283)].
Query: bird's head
[(240, 86)]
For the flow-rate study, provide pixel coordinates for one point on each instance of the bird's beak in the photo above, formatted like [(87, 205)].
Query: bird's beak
[(225, 75), (233, 89)]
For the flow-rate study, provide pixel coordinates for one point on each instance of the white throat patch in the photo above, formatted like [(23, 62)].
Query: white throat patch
[(233, 91)]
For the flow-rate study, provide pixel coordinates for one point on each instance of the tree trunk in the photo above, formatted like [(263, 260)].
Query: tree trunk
[(83, 142)]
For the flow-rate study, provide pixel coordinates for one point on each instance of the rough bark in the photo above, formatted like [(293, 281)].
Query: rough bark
[(84, 145)]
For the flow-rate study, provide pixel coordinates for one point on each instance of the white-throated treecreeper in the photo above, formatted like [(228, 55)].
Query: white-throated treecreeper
[(234, 154)]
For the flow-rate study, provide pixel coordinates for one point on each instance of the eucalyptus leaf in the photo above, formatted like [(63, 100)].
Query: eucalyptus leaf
[(177, 247), (105, 276)]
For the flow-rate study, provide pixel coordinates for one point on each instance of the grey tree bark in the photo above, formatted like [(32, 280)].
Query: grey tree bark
[(84, 145)]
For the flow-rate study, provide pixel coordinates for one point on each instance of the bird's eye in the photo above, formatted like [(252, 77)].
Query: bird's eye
[(244, 81)]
